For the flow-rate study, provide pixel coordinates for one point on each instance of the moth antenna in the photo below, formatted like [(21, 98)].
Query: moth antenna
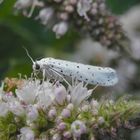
[(29, 55)]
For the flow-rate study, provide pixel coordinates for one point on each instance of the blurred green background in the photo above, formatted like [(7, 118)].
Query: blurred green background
[(17, 31)]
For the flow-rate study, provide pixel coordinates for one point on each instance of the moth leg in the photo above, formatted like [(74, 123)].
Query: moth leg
[(74, 81), (85, 84), (47, 73), (60, 76), (95, 87), (44, 74)]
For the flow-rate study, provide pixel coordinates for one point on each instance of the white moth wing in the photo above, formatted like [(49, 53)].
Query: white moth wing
[(90, 74)]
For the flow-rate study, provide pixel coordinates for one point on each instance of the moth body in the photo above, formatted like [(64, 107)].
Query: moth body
[(102, 76)]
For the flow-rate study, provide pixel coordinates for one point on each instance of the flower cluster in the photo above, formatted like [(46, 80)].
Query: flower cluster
[(88, 16), (41, 110)]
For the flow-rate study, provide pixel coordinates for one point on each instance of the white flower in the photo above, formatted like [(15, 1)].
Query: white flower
[(60, 29), (44, 100), (3, 108), (32, 113), (28, 92), (45, 15), (83, 6), (26, 134), (78, 128), (46, 94), (16, 108), (79, 93)]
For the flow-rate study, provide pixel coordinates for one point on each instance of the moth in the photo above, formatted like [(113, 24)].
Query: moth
[(103, 76)]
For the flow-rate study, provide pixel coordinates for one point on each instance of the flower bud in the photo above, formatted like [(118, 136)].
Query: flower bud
[(68, 98), (52, 113), (66, 113), (60, 94), (62, 126), (60, 29), (69, 9), (59, 120), (94, 11), (85, 108), (56, 137), (67, 134), (63, 16), (22, 4), (83, 6), (45, 15), (70, 106)]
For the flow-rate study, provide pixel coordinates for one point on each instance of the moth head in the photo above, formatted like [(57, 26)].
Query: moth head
[(36, 66)]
